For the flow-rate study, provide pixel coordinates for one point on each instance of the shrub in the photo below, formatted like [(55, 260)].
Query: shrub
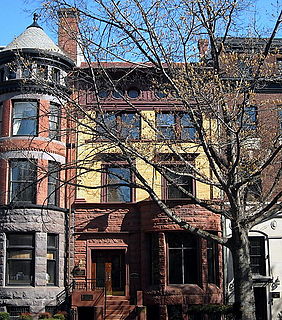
[(25, 316), (4, 316), (60, 316), (45, 315)]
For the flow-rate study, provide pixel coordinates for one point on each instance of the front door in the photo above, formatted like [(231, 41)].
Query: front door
[(108, 269)]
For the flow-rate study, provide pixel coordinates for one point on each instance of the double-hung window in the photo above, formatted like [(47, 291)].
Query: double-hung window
[(249, 118), (1, 117), (280, 121), (171, 126), (20, 259), (52, 259), (25, 117), (213, 262), (125, 125), (118, 177), (177, 177), (257, 255), (54, 121), (182, 258), (23, 176), (53, 183)]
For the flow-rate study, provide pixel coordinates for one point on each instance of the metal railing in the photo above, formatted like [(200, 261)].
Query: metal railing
[(88, 284)]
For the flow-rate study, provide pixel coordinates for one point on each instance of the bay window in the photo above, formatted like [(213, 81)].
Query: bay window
[(24, 118)]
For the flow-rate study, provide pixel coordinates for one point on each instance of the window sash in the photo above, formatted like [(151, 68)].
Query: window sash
[(183, 258), (52, 259), (54, 121), (20, 259), (23, 176), (257, 255), (25, 118), (213, 262), (118, 175), (53, 183), (126, 125), (249, 118), (171, 191), (171, 126)]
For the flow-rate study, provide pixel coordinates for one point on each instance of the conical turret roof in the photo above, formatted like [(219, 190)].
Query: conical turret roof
[(34, 37)]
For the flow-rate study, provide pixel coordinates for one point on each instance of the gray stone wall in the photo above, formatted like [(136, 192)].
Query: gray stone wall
[(40, 222)]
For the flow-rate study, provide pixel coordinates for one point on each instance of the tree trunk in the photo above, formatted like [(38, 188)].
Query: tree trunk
[(243, 284)]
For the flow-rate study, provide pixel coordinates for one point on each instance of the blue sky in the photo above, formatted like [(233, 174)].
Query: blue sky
[(16, 15)]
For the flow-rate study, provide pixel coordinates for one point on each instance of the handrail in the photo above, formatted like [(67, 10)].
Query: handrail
[(88, 284)]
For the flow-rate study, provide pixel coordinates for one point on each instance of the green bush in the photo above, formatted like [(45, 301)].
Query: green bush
[(210, 308), (60, 316), (25, 316), (45, 315), (4, 316)]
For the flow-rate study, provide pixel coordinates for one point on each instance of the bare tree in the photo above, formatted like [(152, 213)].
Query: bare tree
[(219, 94)]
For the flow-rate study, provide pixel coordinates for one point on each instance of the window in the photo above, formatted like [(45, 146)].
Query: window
[(170, 190), (26, 71), (133, 92), (1, 117), (129, 125), (172, 126), (24, 118), (42, 71), (257, 255), (124, 124), (280, 121), (23, 176), (212, 260), (52, 259), (2, 74), (183, 258), (20, 259), (16, 311), (154, 258), (56, 75), (12, 74), (249, 118), (53, 183), (115, 176), (54, 121)]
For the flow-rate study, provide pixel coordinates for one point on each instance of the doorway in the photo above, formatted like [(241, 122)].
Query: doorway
[(108, 269), (261, 303)]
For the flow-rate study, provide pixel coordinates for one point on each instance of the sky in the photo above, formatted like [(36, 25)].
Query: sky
[(16, 15)]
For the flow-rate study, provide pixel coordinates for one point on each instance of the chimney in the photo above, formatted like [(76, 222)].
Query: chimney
[(68, 32), (203, 46)]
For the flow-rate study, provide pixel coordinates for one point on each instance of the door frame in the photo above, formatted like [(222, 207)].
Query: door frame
[(108, 247)]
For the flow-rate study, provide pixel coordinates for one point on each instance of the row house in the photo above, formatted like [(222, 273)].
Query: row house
[(33, 150)]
